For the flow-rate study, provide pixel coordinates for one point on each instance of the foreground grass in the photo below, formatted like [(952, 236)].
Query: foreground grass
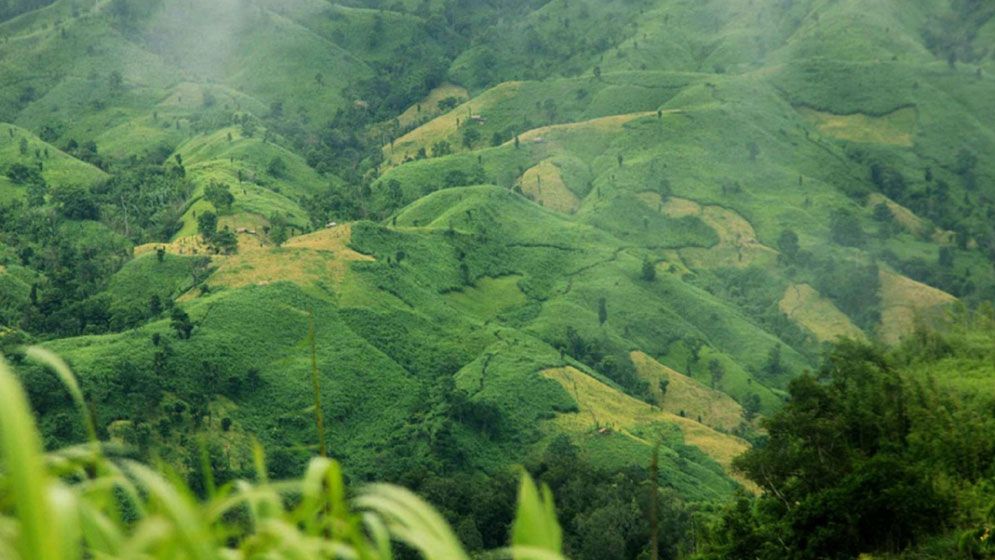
[(82, 502)]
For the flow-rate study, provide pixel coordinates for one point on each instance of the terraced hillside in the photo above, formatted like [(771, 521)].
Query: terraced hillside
[(629, 223)]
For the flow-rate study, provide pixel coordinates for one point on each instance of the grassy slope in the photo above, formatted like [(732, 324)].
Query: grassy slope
[(807, 85)]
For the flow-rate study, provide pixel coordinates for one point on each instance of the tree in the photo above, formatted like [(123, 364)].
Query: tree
[(717, 372), (754, 150), (220, 196), (470, 136), (278, 233), (751, 407), (441, 148), (155, 306), (115, 80), (207, 225), (649, 270), (75, 202), (181, 323), (225, 241), (248, 127), (36, 194), (21, 174), (277, 167), (602, 311), (840, 469), (395, 195), (773, 366), (882, 213), (946, 258), (787, 243), (844, 228)]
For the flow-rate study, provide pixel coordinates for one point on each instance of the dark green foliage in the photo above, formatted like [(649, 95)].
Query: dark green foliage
[(854, 288), (787, 243), (22, 174), (845, 229), (225, 241), (277, 167), (181, 323), (75, 202), (441, 148), (220, 196), (649, 270), (606, 514), (470, 136), (850, 463), (207, 225), (279, 229), (716, 372)]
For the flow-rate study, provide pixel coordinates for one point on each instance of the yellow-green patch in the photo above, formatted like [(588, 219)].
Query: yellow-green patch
[(896, 128), (806, 307), (684, 394), (606, 409), (544, 184)]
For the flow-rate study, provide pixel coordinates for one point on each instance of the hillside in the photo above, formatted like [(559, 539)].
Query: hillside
[(514, 226)]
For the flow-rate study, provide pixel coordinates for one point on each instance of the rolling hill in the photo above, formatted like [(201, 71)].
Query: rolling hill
[(629, 223)]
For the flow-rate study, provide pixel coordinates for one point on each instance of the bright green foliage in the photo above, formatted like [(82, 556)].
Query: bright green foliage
[(535, 525), (69, 505)]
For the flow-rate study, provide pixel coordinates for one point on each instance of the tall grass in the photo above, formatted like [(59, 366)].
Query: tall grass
[(79, 503)]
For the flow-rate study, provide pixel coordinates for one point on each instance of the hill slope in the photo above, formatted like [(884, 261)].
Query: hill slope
[(626, 223)]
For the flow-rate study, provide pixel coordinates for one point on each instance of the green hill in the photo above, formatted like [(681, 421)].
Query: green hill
[(519, 227)]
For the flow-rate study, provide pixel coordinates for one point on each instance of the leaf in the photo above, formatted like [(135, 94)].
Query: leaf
[(412, 521), (535, 525), (24, 468)]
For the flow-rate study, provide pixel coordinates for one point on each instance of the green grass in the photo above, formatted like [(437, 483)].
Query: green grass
[(55, 514), (58, 168)]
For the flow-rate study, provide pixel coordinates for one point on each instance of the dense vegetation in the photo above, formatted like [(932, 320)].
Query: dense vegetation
[(879, 452), (569, 235)]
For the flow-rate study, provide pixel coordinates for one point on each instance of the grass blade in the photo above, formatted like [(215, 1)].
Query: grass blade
[(535, 524), (61, 369), (413, 521), (24, 468)]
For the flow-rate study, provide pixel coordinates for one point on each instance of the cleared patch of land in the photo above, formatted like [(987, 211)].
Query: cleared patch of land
[(544, 184), (428, 107), (738, 245), (896, 128), (806, 307), (446, 127), (902, 215), (904, 301), (605, 408), (715, 408), (322, 256), (609, 124)]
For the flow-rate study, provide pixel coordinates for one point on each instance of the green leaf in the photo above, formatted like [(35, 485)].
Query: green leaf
[(535, 525), (23, 467)]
